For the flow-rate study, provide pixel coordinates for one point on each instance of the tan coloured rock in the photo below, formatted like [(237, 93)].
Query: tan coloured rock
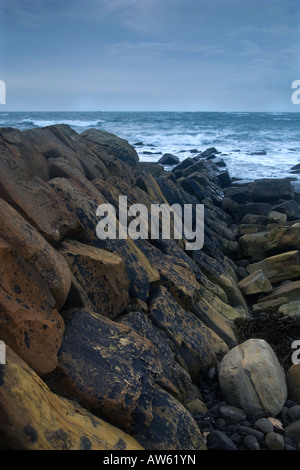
[(219, 275), (252, 245), (251, 378), (60, 141), (283, 239), (256, 283), (280, 267), (14, 142), (34, 199), (101, 275), (290, 291), (34, 418), (29, 322), (114, 145), (215, 321), (83, 201), (34, 249), (292, 308), (270, 306)]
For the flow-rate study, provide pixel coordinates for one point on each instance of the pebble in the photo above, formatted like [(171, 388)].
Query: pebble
[(232, 414), (218, 440), (274, 441), (264, 425), (251, 431), (294, 412), (251, 442), (229, 428)]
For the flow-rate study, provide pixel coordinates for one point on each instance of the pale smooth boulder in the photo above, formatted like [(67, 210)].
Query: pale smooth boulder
[(251, 378)]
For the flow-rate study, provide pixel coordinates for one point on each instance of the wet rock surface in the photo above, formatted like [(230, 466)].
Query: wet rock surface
[(141, 343)]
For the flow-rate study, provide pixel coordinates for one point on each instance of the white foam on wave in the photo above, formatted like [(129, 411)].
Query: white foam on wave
[(71, 123)]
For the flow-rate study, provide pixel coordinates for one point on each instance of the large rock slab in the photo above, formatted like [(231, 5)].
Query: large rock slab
[(108, 368), (174, 378), (84, 202), (251, 378), (34, 199), (283, 239), (34, 249), (179, 280), (270, 189), (190, 338), (252, 245), (290, 208), (289, 292), (256, 283), (218, 274), (114, 145), (29, 322), (101, 275), (279, 267), (34, 418), (214, 319), (14, 142), (172, 427), (61, 142)]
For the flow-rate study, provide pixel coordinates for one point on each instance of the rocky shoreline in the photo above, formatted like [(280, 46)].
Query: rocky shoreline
[(139, 344)]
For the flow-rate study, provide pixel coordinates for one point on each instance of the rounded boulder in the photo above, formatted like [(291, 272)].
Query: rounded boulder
[(251, 378)]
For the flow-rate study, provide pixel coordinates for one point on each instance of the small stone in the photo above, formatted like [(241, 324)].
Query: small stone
[(217, 440), (274, 441), (264, 425), (236, 437), (169, 159), (294, 412), (232, 414), (251, 442), (220, 423), (253, 432)]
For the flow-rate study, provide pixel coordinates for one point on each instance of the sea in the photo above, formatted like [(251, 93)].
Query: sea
[(253, 145)]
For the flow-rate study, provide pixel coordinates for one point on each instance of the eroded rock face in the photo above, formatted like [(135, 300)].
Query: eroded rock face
[(251, 378), (29, 322), (190, 338), (119, 148), (34, 418), (34, 249), (108, 368), (100, 275), (35, 200), (172, 426)]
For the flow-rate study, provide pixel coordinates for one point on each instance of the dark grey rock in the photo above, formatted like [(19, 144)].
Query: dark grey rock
[(220, 424), (232, 414), (217, 440), (224, 178), (209, 151), (290, 208), (259, 152), (253, 432), (169, 159), (264, 425), (294, 412), (251, 442)]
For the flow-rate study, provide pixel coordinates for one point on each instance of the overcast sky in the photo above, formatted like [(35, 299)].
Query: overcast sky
[(153, 55)]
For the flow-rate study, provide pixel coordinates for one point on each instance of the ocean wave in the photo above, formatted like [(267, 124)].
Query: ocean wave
[(69, 122)]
